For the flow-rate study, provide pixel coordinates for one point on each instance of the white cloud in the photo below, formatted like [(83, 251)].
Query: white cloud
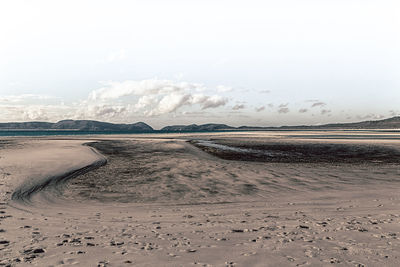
[(224, 89), (213, 102), (146, 101), (35, 113), (238, 107), (156, 97), (109, 111), (170, 103), (23, 98), (115, 90)]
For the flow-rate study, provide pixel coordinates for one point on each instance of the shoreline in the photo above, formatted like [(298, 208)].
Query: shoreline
[(77, 133)]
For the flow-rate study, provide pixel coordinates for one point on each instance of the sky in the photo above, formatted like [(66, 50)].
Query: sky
[(165, 62)]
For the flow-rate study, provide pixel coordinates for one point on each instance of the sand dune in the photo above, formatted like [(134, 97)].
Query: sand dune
[(160, 201)]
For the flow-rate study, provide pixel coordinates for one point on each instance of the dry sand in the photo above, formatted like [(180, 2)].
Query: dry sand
[(161, 201)]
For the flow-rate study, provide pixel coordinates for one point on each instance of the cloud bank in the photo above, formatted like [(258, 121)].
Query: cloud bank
[(115, 90), (156, 97), (117, 101)]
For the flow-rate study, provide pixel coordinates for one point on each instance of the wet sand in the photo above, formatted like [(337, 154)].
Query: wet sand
[(270, 199)]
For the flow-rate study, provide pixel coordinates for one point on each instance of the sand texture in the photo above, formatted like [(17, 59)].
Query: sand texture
[(223, 199)]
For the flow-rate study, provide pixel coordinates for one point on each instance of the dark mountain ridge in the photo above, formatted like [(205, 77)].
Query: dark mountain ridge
[(78, 125), (389, 123), (141, 127)]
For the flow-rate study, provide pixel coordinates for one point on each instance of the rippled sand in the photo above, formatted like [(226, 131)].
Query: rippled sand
[(169, 200)]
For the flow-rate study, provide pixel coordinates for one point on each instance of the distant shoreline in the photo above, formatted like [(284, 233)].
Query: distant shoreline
[(69, 132)]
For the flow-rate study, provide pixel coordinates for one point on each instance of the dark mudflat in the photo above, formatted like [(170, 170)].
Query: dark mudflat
[(286, 152)]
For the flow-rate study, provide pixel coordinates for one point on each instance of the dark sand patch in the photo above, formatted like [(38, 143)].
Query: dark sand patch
[(295, 152)]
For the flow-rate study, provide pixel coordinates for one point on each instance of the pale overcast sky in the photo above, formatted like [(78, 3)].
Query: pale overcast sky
[(165, 62)]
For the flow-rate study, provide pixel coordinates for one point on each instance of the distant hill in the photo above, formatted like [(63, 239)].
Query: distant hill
[(79, 125), (141, 127), (390, 123), (197, 128)]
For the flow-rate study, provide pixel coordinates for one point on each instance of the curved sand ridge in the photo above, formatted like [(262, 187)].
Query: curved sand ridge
[(40, 168), (53, 184)]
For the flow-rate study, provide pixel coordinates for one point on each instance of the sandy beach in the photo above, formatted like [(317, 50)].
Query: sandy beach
[(223, 199)]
